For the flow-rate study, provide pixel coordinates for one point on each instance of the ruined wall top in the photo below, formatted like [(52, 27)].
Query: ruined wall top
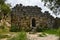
[(29, 10)]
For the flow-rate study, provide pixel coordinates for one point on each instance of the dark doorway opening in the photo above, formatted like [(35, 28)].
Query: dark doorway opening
[(33, 22)]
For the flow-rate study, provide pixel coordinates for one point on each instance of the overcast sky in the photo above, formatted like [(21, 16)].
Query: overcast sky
[(30, 3)]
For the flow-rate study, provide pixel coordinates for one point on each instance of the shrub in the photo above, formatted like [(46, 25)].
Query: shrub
[(14, 28), (41, 29)]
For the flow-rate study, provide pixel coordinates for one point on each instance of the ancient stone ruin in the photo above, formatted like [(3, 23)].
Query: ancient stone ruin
[(27, 17)]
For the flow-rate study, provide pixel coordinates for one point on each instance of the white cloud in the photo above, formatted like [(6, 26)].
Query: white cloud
[(30, 3)]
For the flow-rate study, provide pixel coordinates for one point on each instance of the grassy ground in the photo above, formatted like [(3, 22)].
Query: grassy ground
[(53, 31), (14, 36), (19, 36), (22, 35)]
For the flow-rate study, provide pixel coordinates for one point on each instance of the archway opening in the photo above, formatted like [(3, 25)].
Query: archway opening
[(33, 22)]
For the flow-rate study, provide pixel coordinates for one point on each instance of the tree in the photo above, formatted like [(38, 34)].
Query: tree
[(4, 8), (53, 5)]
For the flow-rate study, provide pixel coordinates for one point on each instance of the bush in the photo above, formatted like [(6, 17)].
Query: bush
[(14, 28), (41, 29)]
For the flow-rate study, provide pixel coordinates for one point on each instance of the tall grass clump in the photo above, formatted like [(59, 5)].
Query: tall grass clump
[(19, 36)]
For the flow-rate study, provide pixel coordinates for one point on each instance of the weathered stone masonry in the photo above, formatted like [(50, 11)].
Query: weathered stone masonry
[(22, 16)]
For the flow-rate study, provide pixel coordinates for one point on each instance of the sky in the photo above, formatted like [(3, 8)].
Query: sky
[(30, 3)]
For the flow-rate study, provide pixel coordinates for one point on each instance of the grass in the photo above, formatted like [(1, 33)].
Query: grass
[(3, 36), (19, 36), (53, 31), (3, 33)]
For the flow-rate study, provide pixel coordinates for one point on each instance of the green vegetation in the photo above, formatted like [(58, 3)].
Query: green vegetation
[(41, 28), (14, 28), (53, 5), (4, 36), (3, 29), (53, 31), (4, 7), (4, 10), (19, 36)]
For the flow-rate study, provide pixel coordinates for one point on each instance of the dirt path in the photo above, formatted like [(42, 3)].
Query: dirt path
[(36, 37)]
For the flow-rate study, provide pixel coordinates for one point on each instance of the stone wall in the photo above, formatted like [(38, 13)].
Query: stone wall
[(22, 16)]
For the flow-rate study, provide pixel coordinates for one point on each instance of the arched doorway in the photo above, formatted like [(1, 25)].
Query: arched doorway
[(33, 22)]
